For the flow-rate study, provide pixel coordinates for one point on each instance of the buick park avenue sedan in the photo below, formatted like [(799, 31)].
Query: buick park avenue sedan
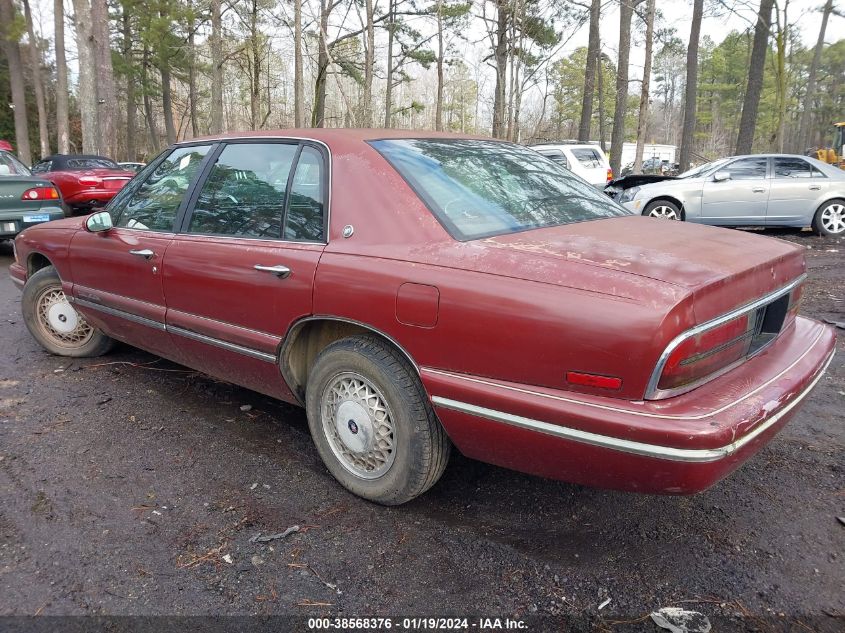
[(416, 293)]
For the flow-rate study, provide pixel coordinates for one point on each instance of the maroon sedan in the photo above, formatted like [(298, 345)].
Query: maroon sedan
[(415, 292), (86, 181)]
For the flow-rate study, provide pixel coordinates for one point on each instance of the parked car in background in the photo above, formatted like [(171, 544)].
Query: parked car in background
[(759, 190), (130, 166), (24, 200), (85, 181), (587, 161), (417, 292), (6, 146)]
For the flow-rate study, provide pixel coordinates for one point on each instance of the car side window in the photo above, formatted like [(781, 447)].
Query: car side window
[(587, 157), (305, 218), (557, 156), (244, 194), (41, 167), (748, 169), (793, 168), (155, 202)]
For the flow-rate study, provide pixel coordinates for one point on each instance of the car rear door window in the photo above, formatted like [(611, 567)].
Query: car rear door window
[(305, 219), (153, 204), (748, 169), (587, 157), (244, 194), (789, 167)]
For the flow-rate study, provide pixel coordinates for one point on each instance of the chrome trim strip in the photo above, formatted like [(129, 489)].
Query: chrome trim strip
[(118, 313), (628, 446), (653, 393), (232, 347), (605, 407)]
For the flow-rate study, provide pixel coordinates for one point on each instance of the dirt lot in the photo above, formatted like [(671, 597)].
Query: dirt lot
[(127, 484)]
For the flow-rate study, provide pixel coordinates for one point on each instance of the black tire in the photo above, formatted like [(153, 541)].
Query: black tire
[(666, 209), (837, 206), (82, 342), (420, 447)]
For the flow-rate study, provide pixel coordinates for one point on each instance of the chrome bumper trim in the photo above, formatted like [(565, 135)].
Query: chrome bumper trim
[(628, 446), (20, 283)]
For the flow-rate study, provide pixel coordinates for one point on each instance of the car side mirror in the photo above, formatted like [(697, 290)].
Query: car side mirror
[(98, 222), (721, 176)]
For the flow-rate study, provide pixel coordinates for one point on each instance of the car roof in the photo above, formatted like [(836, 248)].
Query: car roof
[(66, 156), (330, 135)]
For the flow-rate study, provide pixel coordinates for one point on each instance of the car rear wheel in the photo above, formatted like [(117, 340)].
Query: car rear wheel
[(830, 218), (664, 209), (53, 321), (372, 422)]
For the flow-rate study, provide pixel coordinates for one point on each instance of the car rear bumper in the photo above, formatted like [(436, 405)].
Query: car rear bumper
[(91, 198), (681, 445), (12, 223)]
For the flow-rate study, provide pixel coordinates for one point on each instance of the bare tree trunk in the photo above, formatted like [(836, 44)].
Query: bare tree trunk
[(809, 97), (167, 104), (500, 54), (642, 122), (12, 50), (106, 94), (438, 107), (748, 121), (255, 77), (617, 135), (688, 130), (87, 92), (590, 73), (35, 62), (62, 116), (781, 37), (388, 90), (369, 66), (318, 116), (600, 82), (192, 75), (298, 85), (148, 105), (217, 68), (131, 106)]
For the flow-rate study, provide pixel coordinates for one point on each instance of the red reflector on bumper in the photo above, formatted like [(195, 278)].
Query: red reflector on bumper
[(593, 380)]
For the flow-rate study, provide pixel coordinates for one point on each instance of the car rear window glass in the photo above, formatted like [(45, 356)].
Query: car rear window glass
[(244, 194), (154, 203), (305, 217), (11, 166), (90, 163), (41, 167), (480, 188), (748, 169), (587, 157), (795, 168)]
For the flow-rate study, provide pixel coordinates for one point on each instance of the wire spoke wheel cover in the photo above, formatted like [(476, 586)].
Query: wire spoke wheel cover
[(58, 320), (833, 218), (358, 423), (664, 211)]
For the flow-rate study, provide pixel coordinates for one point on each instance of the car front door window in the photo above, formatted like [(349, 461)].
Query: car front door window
[(748, 169), (153, 205)]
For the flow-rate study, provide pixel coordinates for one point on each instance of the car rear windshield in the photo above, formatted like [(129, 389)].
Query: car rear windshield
[(480, 188)]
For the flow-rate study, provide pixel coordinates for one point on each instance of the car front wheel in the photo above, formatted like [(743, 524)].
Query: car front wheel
[(372, 422), (830, 218), (663, 209), (53, 321)]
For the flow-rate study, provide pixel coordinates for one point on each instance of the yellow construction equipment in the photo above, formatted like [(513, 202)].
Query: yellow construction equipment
[(835, 154)]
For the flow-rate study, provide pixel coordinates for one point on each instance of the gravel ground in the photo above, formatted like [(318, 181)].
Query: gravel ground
[(132, 486)]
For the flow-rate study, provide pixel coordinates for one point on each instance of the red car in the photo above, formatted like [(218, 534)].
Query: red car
[(419, 291), (86, 181)]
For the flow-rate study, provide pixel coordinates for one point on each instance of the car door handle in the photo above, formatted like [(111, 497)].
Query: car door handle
[(146, 253), (283, 272), (759, 190), (815, 187)]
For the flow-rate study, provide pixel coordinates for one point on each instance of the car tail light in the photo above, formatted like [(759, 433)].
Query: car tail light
[(711, 349), (41, 193), (609, 174), (593, 380), (90, 181)]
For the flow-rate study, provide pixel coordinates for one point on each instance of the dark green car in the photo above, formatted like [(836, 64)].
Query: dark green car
[(24, 199)]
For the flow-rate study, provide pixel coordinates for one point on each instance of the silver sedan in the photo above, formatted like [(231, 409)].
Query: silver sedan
[(764, 189)]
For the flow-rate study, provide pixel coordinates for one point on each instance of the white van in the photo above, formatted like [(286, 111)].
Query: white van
[(585, 160)]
